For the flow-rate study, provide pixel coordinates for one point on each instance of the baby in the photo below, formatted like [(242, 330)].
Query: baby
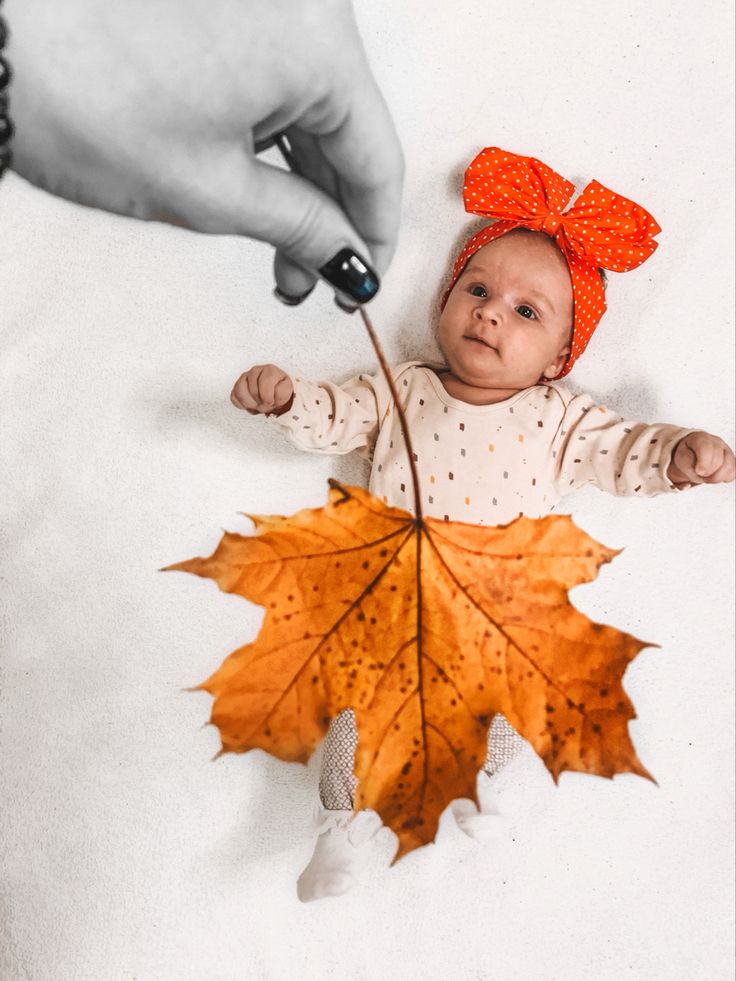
[(494, 436)]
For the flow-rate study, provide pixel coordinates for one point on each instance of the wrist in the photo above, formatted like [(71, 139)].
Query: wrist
[(677, 476)]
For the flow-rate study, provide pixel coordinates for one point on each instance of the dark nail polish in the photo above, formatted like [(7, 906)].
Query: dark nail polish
[(5, 73), (262, 145), (346, 307), (351, 274), (291, 301)]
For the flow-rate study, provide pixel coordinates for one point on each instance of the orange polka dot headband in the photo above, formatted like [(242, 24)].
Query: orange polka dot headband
[(601, 230)]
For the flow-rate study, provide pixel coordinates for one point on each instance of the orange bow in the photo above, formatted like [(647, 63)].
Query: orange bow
[(602, 227)]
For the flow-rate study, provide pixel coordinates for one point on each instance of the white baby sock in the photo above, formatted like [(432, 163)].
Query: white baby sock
[(484, 824), (508, 793), (340, 853)]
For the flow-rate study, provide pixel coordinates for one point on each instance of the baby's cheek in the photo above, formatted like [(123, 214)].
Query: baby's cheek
[(442, 334)]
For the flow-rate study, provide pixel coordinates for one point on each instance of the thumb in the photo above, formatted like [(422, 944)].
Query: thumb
[(273, 205)]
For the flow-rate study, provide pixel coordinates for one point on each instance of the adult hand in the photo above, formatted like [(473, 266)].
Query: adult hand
[(156, 110), (701, 458)]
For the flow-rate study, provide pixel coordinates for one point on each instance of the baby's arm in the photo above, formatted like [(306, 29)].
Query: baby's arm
[(597, 446), (322, 418)]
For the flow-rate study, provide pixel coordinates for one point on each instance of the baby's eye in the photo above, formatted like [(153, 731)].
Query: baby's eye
[(524, 311), (477, 290)]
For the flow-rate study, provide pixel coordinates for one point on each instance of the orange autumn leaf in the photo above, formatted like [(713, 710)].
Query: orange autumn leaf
[(426, 628)]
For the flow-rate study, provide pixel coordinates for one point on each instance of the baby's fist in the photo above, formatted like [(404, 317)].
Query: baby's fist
[(700, 458), (263, 388)]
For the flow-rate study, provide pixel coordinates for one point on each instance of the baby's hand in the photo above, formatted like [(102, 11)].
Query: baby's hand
[(702, 459), (263, 388)]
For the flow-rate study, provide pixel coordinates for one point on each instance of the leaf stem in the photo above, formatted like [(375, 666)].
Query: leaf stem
[(402, 418)]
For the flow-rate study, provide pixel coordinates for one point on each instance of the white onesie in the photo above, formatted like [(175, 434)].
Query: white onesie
[(483, 464)]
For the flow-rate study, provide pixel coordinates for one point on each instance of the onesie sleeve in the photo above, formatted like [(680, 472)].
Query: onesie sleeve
[(333, 419), (595, 445)]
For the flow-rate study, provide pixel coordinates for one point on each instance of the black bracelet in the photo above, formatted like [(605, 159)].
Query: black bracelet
[(6, 127)]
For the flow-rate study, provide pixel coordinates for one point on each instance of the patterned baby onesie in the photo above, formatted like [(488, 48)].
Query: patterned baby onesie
[(482, 464)]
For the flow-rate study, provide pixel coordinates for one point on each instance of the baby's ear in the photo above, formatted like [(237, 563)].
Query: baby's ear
[(555, 367)]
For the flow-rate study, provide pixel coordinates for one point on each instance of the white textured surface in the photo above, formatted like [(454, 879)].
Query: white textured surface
[(126, 853)]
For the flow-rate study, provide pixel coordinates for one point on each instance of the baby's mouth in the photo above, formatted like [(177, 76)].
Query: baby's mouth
[(478, 340)]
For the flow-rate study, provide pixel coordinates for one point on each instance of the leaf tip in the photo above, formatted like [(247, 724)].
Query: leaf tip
[(641, 771), (609, 554), (175, 567), (188, 565)]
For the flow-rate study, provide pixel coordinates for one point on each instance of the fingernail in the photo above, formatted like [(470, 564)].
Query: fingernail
[(347, 307), (262, 145), (351, 274), (291, 301)]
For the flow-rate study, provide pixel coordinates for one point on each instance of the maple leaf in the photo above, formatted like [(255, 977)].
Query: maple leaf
[(426, 629)]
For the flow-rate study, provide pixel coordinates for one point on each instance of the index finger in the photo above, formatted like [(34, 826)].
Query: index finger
[(366, 154)]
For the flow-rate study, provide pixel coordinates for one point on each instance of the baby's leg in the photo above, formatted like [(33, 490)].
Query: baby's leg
[(339, 852), (337, 782), (504, 745)]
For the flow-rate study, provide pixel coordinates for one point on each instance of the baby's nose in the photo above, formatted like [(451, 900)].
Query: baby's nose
[(488, 312)]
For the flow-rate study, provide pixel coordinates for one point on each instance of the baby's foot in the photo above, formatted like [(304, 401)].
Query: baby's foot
[(340, 853), (512, 790), (484, 824)]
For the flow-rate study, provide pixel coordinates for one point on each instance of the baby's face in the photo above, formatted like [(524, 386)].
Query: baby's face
[(508, 320)]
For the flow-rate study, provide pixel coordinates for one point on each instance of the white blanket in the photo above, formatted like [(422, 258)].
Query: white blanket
[(127, 853)]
